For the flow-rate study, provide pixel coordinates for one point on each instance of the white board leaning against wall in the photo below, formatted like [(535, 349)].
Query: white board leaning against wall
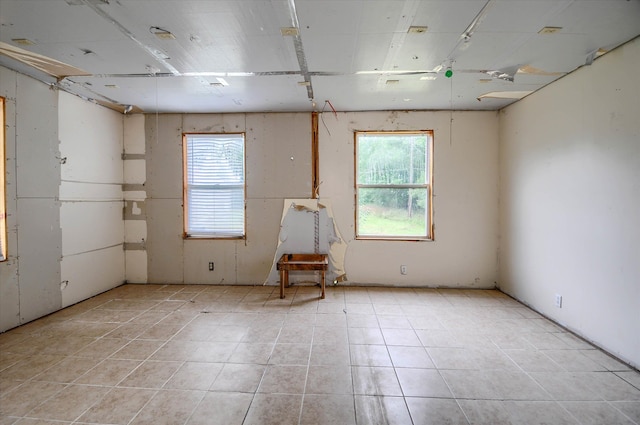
[(307, 227)]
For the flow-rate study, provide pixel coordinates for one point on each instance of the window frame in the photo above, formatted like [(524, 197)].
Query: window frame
[(185, 204), (4, 254), (428, 186)]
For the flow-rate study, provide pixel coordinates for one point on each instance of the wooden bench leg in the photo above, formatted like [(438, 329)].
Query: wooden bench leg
[(322, 284), (283, 277)]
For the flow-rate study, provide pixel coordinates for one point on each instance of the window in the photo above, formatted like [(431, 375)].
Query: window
[(3, 210), (214, 190), (394, 185)]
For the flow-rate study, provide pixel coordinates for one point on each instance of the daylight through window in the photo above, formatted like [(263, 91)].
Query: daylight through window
[(394, 185), (214, 186)]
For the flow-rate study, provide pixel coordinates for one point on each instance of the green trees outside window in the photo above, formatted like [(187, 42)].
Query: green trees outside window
[(394, 185)]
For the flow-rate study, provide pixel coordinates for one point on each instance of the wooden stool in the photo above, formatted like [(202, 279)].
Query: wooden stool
[(296, 262)]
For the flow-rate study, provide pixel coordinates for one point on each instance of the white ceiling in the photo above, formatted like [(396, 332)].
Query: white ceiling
[(346, 50)]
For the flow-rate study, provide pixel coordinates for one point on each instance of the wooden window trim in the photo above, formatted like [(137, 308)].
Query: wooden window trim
[(430, 227), (185, 204)]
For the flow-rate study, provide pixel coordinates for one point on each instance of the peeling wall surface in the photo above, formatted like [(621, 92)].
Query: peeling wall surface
[(91, 145), (278, 158), (30, 279), (308, 227), (570, 201)]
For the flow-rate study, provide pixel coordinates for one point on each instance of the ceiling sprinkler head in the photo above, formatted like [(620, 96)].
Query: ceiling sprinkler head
[(127, 109)]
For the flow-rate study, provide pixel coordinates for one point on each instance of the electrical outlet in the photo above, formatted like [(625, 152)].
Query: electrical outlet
[(558, 300), (403, 269), (210, 266)]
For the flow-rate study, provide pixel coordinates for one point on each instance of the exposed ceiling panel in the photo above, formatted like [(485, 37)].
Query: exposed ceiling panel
[(232, 56), (53, 22)]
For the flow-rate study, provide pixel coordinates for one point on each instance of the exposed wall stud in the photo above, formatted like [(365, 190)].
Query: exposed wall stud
[(315, 169)]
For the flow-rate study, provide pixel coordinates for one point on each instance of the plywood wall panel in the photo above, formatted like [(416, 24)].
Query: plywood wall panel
[(198, 254), (135, 177), (214, 123), (9, 285), (278, 156), (164, 243), (135, 171), (29, 280), (164, 156), (136, 266), (37, 179), (64, 177), (37, 147), (9, 292), (135, 230), (134, 137), (271, 141), (90, 226), (237, 262), (88, 191), (263, 225), (39, 250), (91, 142), (90, 273), (91, 218)]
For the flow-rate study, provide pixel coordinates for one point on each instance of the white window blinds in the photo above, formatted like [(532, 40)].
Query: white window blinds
[(214, 185)]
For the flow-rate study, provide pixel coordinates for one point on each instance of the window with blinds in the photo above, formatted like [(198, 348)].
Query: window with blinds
[(214, 186)]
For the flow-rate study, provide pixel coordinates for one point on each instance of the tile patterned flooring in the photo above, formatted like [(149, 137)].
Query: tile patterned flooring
[(180, 354)]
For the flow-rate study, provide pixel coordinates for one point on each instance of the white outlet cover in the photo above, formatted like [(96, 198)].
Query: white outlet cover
[(558, 300)]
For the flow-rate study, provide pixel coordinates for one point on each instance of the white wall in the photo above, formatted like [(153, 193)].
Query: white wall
[(464, 253), (271, 176), (465, 189), (9, 289), (30, 279), (91, 143), (570, 201), (61, 218)]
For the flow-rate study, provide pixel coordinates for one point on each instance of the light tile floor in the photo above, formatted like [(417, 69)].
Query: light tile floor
[(176, 354)]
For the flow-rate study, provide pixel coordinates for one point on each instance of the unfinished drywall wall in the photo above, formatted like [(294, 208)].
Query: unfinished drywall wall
[(278, 158), (135, 195), (64, 200), (278, 166), (570, 201), (464, 252), (30, 279), (9, 289), (91, 146)]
